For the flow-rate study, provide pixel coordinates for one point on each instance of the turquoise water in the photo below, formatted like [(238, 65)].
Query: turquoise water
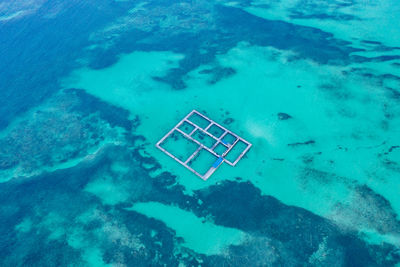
[(202, 236), (314, 86)]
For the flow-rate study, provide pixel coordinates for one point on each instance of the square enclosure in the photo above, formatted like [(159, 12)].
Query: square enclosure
[(202, 145), (220, 149), (215, 130), (180, 146), (199, 120), (202, 161), (203, 138), (186, 127), (228, 139)]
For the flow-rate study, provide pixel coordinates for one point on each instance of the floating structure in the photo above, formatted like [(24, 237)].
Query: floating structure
[(204, 136)]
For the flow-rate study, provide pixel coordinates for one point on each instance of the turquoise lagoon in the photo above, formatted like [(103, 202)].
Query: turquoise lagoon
[(315, 87)]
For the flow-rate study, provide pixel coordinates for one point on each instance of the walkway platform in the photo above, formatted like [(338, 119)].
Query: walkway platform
[(209, 136)]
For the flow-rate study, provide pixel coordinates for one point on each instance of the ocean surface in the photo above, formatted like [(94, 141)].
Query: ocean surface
[(87, 88)]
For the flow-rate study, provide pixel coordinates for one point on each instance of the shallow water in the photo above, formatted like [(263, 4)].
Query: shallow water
[(314, 87)]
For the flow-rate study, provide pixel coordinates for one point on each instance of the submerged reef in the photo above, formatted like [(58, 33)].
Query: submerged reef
[(367, 209), (215, 29), (81, 214), (69, 126)]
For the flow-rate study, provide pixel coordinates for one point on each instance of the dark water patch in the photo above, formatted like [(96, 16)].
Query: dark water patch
[(57, 45), (371, 42), (336, 90), (328, 86), (145, 33), (356, 253), (378, 80), (309, 142), (42, 195), (36, 51), (100, 58), (283, 116), (394, 94), (391, 164), (379, 46), (292, 231), (323, 16), (257, 251), (116, 116), (388, 160), (154, 243), (283, 35), (323, 177), (218, 73), (391, 149), (226, 26), (173, 78), (279, 234), (122, 237), (29, 253), (307, 159), (228, 121), (66, 127), (221, 73), (396, 64), (390, 76), (387, 112), (262, 214), (362, 59), (327, 8), (369, 209)]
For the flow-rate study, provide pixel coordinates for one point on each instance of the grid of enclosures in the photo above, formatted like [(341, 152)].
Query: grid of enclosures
[(209, 136)]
